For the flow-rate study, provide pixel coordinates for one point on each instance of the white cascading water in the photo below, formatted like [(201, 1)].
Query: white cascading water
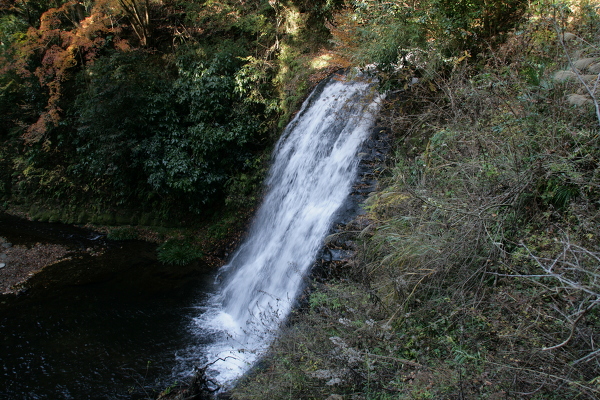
[(314, 167)]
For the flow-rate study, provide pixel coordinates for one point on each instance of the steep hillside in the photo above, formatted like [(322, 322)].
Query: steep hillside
[(477, 264)]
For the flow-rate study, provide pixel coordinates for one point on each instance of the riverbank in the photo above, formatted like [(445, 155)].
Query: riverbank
[(30, 246), (27, 248), (19, 263)]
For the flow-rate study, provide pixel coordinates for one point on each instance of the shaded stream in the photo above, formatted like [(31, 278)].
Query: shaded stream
[(97, 327)]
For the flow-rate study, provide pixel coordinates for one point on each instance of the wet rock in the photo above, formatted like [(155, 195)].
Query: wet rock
[(359, 224), (200, 388), (350, 221), (339, 239), (2, 265), (339, 255)]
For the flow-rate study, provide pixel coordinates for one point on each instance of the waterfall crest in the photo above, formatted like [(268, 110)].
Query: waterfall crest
[(314, 166)]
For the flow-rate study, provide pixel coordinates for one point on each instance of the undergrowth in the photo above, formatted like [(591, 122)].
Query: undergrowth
[(478, 274)]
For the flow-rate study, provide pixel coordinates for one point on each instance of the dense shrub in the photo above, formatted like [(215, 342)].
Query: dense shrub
[(178, 252), (176, 110), (149, 128)]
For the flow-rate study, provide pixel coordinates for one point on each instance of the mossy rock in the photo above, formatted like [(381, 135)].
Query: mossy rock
[(134, 219), (168, 223), (35, 213), (106, 219), (73, 215), (122, 220), (122, 233), (44, 216), (54, 216), (82, 217), (178, 252), (147, 220)]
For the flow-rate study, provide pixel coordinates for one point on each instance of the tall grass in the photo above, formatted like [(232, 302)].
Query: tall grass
[(492, 221), (477, 274)]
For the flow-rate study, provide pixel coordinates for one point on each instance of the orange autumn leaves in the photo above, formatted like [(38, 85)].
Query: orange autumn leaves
[(68, 38)]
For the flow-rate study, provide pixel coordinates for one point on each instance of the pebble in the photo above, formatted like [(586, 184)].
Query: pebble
[(2, 265)]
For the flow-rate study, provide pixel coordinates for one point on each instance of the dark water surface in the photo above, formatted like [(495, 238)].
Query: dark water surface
[(96, 327)]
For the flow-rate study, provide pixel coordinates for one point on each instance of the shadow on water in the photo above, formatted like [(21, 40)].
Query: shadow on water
[(102, 326)]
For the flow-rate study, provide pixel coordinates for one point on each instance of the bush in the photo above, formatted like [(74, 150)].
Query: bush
[(392, 34), (147, 129), (178, 252)]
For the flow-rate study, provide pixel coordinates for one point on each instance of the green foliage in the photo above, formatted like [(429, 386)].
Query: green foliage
[(180, 133), (474, 24), (12, 28), (422, 35), (11, 92), (323, 299), (178, 252), (183, 124), (19, 95), (243, 189), (123, 96)]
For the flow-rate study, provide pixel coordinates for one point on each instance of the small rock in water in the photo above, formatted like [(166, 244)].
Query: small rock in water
[(2, 265)]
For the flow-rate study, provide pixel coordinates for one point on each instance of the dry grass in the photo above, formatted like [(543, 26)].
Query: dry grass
[(491, 226), (477, 276)]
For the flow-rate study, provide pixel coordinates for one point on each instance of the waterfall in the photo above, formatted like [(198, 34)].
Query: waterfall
[(314, 166)]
